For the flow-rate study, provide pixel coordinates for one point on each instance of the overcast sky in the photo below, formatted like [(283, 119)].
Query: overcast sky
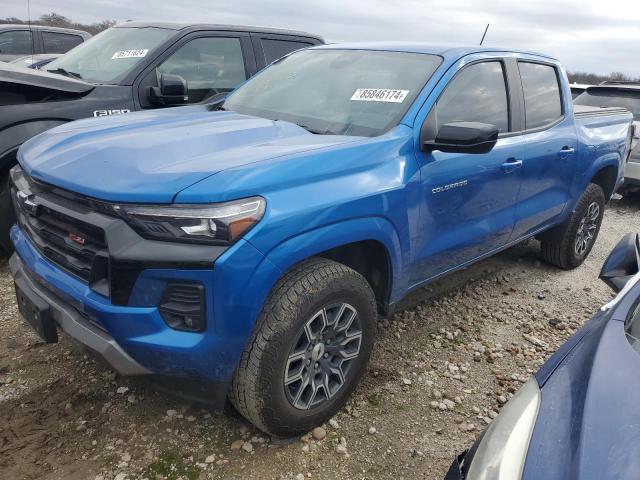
[(599, 36)]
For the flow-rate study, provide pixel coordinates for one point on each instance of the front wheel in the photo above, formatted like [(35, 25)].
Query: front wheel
[(7, 217), (570, 243), (309, 350)]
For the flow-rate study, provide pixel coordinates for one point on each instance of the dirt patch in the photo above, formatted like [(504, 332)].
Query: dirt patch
[(442, 368)]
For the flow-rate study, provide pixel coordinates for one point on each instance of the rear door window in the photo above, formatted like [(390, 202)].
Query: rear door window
[(542, 99), (477, 93), (55, 42), (16, 42), (275, 49)]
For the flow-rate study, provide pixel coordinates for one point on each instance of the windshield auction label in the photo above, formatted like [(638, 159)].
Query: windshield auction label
[(380, 95), (130, 54)]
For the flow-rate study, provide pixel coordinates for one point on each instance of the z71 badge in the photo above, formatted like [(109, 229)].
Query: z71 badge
[(104, 113)]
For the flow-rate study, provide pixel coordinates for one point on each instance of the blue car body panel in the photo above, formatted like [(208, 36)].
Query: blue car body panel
[(321, 192)]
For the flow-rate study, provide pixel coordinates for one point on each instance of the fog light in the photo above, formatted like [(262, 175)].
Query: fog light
[(182, 306)]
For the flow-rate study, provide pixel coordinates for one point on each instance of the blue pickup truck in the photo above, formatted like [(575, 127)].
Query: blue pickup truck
[(247, 249)]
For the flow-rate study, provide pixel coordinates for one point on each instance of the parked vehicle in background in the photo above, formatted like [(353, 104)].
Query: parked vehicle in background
[(625, 95), (19, 40), (133, 66), (250, 250), (577, 89), (576, 418), (35, 61)]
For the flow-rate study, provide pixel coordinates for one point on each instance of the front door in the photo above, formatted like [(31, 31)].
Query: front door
[(468, 200)]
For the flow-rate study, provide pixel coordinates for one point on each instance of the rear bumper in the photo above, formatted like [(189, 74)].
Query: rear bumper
[(73, 323)]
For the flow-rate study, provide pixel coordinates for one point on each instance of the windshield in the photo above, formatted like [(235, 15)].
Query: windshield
[(110, 55), (341, 92), (597, 97)]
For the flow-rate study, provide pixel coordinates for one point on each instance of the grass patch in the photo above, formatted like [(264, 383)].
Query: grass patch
[(171, 466)]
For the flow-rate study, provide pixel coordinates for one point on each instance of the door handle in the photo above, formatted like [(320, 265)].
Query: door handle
[(566, 152), (511, 165)]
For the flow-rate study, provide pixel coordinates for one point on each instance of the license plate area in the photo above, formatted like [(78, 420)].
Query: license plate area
[(36, 312)]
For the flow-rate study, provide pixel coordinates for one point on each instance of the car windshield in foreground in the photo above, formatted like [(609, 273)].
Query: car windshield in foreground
[(340, 92), (110, 55), (604, 97)]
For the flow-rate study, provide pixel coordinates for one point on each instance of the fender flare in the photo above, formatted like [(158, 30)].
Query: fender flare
[(307, 244)]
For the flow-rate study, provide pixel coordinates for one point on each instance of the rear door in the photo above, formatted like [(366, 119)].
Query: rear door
[(271, 47), (550, 150)]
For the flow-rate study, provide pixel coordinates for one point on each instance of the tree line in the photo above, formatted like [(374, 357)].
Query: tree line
[(56, 20), (594, 79)]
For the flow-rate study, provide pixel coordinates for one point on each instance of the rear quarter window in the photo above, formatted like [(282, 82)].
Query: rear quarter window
[(275, 49), (542, 99)]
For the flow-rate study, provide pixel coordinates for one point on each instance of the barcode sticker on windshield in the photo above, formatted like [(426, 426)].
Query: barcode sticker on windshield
[(130, 54), (380, 95)]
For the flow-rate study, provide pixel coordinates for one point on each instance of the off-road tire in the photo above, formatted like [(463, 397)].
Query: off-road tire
[(7, 217), (257, 389), (558, 246)]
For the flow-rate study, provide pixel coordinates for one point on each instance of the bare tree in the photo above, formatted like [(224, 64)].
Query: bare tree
[(594, 79)]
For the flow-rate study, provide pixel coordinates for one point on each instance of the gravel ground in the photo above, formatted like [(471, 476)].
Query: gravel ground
[(442, 368)]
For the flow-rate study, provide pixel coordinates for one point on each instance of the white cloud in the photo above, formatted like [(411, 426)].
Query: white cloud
[(586, 35)]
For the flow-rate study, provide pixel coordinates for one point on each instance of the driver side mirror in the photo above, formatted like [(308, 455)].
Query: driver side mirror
[(172, 91), (464, 137), (623, 263)]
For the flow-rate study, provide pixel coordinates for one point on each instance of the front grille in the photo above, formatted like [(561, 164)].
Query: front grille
[(75, 246)]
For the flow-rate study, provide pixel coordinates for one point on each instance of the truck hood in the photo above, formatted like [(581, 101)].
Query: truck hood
[(150, 157), (18, 75)]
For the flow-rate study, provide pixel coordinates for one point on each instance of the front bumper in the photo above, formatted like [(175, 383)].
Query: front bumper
[(138, 329), (75, 324)]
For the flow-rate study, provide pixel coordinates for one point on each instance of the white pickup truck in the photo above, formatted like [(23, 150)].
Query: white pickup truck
[(620, 94)]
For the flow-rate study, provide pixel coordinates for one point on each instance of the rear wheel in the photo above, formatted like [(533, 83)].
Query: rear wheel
[(7, 217), (310, 348), (570, 244)]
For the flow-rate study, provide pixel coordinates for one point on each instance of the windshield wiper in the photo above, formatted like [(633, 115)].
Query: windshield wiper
[(66, 73), (316, 131)]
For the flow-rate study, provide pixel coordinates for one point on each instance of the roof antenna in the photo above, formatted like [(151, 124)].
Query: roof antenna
[(484, 34)]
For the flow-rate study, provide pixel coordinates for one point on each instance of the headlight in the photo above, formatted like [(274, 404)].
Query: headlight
[(215, 224), (503, 449)]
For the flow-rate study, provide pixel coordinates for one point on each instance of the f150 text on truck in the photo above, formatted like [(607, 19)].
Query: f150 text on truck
[(250, 248), (133, 66)]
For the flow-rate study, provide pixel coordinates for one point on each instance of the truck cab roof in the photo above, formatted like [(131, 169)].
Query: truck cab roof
[(15, 26), (213, 26), (441, 49)]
